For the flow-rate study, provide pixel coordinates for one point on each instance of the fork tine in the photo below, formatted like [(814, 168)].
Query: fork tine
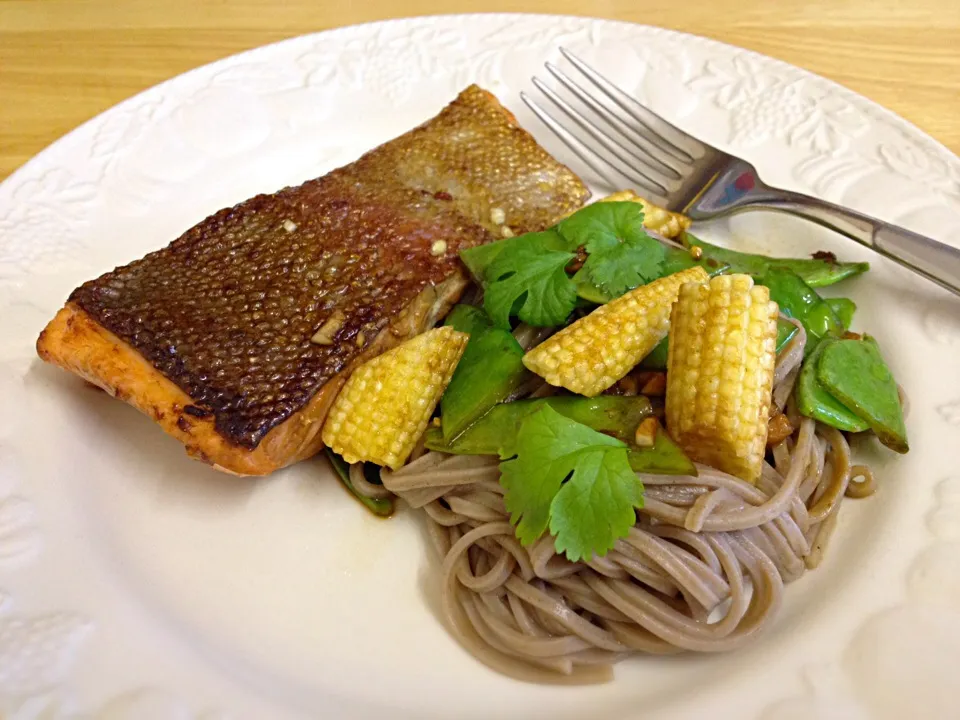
[(569, 140), (582, 151), (625, 166), (680, 142), (653, 153)]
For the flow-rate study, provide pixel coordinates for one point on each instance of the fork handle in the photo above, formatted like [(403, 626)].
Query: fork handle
[(933, 260)]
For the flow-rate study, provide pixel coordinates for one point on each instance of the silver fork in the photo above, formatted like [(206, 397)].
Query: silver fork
[(689, 176)]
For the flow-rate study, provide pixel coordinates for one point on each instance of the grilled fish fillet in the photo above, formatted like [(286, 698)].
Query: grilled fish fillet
[(211, 336)]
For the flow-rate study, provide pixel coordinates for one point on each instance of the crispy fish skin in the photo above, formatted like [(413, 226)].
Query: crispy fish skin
[(490, 168), (228, 310), (211, 336), (77, 342)]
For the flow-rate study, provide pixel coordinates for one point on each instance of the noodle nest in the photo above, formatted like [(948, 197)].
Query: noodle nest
[(702, 570)]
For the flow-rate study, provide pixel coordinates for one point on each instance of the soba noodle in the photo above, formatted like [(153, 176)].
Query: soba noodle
[(703, 569)]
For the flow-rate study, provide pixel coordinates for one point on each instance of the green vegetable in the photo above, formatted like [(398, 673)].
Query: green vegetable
[(525, 272), (657, 359), (603, 225), (467, 319), (531, 282), (490, 371), (621, 268), (855, 373), (615, 416), (801, 302), (785, 333), (478, 259), (612, 415), (664, 458), (620, 253), (674, 260), (382, 507), (843, 308), (526, 276), (677, 259), (815, 401), (815, 272), (590, 293), (576, 481)]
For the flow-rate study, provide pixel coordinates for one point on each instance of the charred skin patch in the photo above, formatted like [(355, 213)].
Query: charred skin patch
[(227, 311)]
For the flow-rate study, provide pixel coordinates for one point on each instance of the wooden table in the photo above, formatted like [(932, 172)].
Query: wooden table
[(64, 61)]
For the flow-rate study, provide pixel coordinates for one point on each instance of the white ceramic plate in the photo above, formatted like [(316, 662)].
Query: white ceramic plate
[(140, 585)]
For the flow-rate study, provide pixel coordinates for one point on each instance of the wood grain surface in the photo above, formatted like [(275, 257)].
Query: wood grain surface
[(64, 61)]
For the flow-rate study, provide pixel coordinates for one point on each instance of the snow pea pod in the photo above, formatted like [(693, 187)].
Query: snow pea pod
[(611, 415), (801, 302), (383, 507), (815, 401), (843, 308), (664, 458), (678, 259), (816, 272), (490, 371), (468, 319), (855, 373)]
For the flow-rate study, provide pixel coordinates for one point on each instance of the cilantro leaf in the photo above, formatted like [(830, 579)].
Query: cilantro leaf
[(526, 276), (603, 225), (561, 474), (623, 267), (479, 258), (531, 282), (621, 255), (595, 507)]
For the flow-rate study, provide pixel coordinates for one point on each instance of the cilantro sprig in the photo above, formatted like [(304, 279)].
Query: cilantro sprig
[(527, 276), (531, 282), (565, 476), (620, 254)]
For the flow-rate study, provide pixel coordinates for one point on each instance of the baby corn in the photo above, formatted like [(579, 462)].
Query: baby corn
[(385, 405), (720, 373), (593, 353), (666, 223)]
